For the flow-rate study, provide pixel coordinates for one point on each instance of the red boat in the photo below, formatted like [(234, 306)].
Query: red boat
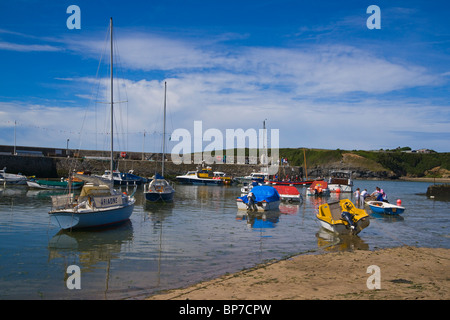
[(288, 193)]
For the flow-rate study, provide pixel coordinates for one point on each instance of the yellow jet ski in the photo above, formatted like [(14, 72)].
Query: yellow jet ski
[(342, 217)]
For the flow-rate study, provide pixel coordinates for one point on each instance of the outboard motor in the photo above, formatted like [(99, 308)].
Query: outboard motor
[(349, 218)]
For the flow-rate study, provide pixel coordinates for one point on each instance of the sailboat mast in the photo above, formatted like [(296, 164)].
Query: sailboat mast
[(112, 109), (164, 129)]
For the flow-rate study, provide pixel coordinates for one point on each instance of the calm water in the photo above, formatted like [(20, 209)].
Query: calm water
[(200, 236)]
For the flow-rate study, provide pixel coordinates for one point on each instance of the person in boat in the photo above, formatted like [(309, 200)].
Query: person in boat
[(251, 205), (383, 196), (377, 194)]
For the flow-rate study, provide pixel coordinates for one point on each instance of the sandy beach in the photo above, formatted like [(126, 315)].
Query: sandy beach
[(404, 273)]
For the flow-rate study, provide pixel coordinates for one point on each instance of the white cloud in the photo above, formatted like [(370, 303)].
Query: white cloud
[(303, 91), (27, 47)]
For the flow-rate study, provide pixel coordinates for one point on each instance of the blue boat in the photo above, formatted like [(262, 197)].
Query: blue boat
[(385, 207), (98, 204), (124, 178), (265, 198), (159, 190)]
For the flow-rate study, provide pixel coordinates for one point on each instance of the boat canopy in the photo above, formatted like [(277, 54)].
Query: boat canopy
[(320, 184), (289, 190), (93, 190), (263, 193)]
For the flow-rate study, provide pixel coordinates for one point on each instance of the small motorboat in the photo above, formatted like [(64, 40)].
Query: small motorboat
[(227, 180), (159, 189), (264, 198), (124, 178), (385, 207), (340, 181), (11, 178), (342, 217), (53, 184), (200, 177), (318, 188), (258, 177), (288, 193)]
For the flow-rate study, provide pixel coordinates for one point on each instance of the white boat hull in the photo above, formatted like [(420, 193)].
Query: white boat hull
[(261, 206), (290, 197), (340, 187), (11, 178), (335, 228), (343, 229), (385, 208)]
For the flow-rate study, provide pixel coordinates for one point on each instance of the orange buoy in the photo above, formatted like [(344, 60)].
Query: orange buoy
[(399, 202), (338, 190)]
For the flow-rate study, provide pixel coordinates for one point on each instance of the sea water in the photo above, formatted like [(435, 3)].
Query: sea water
[(201, 235)]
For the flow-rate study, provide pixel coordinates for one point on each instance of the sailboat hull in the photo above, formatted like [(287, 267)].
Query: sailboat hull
[(159, 196), (91, 219)]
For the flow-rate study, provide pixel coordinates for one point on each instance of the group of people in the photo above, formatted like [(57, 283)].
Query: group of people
[(361, 196)]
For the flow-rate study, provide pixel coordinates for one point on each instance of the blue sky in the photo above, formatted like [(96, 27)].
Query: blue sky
[(311, 68)]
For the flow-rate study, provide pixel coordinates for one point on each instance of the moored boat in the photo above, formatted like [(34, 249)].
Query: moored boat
[(53, 184), (385, 207), (288, 193), (318, 188), (159, 189), (340, 181), (258, 177), (99, 204), (199, 177), (11, 178), (264, 198), (227, 180), (124, 178), (342, 217)]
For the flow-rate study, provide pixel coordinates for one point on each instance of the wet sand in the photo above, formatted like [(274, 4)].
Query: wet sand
[(405, 273)]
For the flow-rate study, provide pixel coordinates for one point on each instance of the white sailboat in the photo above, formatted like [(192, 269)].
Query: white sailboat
[(99, 204), (159, 189)]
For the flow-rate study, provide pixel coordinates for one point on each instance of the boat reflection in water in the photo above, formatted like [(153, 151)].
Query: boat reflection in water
[(333, 242), (88, 249), (256, 220)]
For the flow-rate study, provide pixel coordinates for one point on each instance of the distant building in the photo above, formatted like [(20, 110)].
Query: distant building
[(423, 151)]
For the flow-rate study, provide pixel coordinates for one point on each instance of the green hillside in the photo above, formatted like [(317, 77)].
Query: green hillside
[(400, 161)]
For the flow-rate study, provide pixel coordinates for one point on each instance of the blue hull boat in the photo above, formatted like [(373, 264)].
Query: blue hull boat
[(159, 190), (91, 219), (385, 208)]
